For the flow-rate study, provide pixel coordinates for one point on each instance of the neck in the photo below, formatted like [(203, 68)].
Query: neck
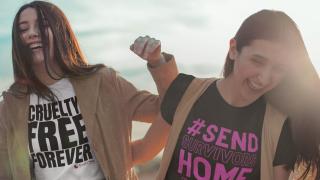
[(231, 92), (43, 75)]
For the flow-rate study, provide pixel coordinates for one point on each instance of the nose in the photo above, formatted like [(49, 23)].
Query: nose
[(33, 33)]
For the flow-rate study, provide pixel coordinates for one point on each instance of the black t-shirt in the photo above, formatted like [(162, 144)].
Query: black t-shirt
[(217, 140)]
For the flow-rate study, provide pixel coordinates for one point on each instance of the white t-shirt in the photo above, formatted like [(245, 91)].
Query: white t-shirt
[(58, 143)]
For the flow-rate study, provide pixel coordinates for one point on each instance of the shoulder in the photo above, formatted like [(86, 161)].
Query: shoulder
[(174, 95), (184, 82), (102, 73), (178, 86), (1, 112), (184, 77), (110, 80), (108, 74), (1, 107), (106, 70), (181, 82)]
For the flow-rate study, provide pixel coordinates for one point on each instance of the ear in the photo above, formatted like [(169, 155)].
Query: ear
[(233, 52)]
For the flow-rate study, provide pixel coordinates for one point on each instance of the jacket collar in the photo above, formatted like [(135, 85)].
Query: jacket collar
[(87, 91)]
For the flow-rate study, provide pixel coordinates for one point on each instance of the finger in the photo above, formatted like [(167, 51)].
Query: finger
[(152, 45), (136, 41), (131, 47), (139, 45), (146, 51)]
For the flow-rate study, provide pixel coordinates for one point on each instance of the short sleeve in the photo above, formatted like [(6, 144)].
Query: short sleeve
[(285, 153), (173, 96)]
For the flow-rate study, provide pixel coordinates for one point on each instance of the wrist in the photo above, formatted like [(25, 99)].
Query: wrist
[(157, 63)]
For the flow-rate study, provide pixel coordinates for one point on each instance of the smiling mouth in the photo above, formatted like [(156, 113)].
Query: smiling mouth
[(253, 86), (35, 46)]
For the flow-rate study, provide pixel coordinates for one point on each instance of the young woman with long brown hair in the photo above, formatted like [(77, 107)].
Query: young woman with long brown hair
[(63, 118), (244, 125)]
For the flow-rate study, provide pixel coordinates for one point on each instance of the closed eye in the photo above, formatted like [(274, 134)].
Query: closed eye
[(257, 61), (23, 29)]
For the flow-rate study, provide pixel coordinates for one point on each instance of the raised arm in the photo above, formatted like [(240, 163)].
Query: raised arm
[(161, 65), (163, 70)]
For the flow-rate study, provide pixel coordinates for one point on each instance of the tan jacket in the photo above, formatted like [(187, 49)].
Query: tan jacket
[(108, 104)]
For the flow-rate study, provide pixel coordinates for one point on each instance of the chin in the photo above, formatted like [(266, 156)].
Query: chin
[(252, 94), (38, 58), (38, 61)]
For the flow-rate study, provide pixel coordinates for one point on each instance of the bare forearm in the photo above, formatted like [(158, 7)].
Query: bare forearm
[(141, 153), (153, 142), (281, 173)]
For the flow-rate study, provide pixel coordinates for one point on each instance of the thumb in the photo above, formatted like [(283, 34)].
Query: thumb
[(157, 49), (131, 47)]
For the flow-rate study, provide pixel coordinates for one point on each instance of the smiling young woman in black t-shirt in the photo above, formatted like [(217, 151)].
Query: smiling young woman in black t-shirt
[(221, 135)]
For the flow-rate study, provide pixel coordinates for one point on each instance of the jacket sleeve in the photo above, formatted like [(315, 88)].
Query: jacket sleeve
[(5, 172), (141, 105), (137, 104), (164, 74)]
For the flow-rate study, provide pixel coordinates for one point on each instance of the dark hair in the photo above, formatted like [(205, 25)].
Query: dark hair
[(67, 52), (297, 95), (265, 24)]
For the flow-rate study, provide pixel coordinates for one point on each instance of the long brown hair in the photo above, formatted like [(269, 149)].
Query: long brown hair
[(67, 52), (298, 95)]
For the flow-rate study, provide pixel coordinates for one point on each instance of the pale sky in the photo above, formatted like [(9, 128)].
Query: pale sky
[(196, 32)]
